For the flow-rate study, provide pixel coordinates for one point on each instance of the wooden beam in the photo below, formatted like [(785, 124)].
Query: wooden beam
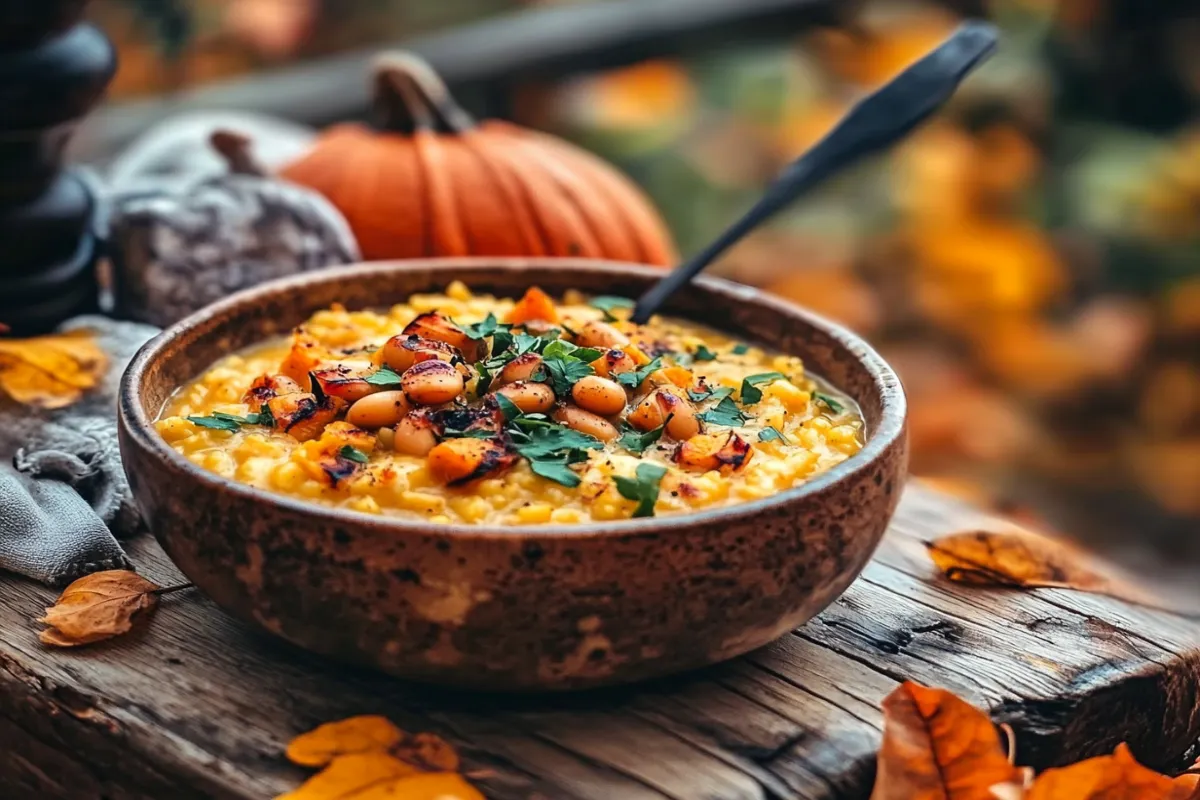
[(491, 55)]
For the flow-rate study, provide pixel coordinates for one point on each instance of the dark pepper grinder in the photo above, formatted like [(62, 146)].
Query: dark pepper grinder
[(53, 69)]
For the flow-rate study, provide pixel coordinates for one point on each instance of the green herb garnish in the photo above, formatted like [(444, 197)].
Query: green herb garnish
[(220, 421), (632, 380), (607, 303), (560, 348), (725, 413), (551, 449), (644, 488), (508, 408), (772, 434), (709, 394), (827, 401), (750, 391), (351, 453), (482, 329), (384, 376), (637, 442), (702, 353), (740, 349)]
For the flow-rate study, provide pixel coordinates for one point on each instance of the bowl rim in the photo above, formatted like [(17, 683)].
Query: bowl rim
[(139, 427)]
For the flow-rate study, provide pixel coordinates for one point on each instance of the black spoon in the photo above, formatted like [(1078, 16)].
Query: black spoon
[(876, 122)]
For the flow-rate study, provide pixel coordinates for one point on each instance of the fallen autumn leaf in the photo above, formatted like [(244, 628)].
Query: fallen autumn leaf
[(1115, 777), (100, 606), (938, 747), (369, 758), (50, 371), (1023, 560)]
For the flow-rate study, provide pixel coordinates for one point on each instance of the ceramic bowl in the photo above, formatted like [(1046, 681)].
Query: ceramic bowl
[(516, 608)]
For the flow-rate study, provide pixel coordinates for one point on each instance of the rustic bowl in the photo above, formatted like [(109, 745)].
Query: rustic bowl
[(520, 608)]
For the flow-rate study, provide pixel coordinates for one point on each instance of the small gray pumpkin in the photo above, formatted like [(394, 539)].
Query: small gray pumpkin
[(178, 248)]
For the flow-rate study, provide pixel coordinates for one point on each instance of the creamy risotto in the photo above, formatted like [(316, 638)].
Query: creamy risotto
[(465, 408)]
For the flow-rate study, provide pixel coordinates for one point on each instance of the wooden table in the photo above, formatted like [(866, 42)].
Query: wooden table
[(199, 706)]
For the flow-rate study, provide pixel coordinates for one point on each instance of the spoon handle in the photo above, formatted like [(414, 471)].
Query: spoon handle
[(876, 122)]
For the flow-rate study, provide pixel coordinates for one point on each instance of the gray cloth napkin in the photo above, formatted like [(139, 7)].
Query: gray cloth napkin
[(63, 493)]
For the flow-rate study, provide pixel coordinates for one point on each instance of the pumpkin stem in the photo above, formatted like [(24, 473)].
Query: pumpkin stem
[(410, 96), (235, 148)]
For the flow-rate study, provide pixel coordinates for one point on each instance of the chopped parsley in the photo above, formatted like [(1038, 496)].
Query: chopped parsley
[(702, 353), (750, 391), (644, 488), (384, 376), (725, 413), (566, 364), (740, 349), (706, 393), (827, 401), (220, 421), (772, 434), (607, 303), (351, 453), (551, 449), (482, 329), (560, 348), (508, 408), (632, 380), (637, 442)]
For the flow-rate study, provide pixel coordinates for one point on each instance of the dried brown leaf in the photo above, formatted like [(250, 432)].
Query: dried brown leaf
[(1024, 560), (99, 606), (938, 747), (50, 371)]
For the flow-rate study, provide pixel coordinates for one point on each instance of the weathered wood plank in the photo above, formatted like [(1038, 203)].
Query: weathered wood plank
[(199, 706)]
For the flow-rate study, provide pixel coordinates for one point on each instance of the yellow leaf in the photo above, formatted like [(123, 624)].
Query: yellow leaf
[(937, 747), (365, 734), (369, 758), (99, 606), (50, 371), (361, 776), (1023, 560), (1115, 777)]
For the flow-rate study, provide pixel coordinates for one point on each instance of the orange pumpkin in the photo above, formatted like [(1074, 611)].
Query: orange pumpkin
[(432, 182)]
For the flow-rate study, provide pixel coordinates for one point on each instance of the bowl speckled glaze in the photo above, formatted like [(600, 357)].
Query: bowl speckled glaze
[(521, 608)]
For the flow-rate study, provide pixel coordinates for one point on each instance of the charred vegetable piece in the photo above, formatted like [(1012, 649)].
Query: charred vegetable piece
[(401, 352), (459, 461), (707, 451), (345, 382), (417, 433), (440, 328), (301, 415), (534, 305), (266, 387)]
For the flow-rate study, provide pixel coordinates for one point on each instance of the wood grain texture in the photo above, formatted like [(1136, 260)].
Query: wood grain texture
[(198, 706)]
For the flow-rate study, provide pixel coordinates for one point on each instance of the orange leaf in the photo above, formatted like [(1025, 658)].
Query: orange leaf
[(369, 758), (50, 371), (937, 747), (535, 305), (1023, 560), (99, 606), (362, 776), (365, 734), (1115, 777)]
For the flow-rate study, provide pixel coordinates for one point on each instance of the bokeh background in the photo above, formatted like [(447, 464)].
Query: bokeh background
[(1030, 261)]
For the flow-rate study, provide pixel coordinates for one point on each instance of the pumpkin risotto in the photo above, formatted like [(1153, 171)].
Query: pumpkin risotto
[(463, 408)]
